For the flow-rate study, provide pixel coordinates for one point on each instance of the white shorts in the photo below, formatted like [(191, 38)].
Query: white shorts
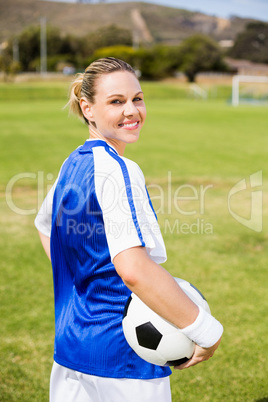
[(68, 385)]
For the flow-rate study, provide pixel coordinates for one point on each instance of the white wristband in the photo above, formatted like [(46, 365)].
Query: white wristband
[(205, 331)]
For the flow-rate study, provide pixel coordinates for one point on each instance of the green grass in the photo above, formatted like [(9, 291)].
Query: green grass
[(195, 143)]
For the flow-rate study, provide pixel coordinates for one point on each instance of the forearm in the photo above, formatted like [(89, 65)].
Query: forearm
[(45, 240), (155, 287)]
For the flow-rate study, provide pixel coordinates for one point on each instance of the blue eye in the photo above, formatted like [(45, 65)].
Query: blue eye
[(116, 102), (138, 99)]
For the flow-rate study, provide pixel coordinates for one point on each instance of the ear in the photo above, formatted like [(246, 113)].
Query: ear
[(86, 108)]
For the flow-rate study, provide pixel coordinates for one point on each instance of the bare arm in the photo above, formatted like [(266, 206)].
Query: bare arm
[(155, 286), (158, 289), (45, 240)]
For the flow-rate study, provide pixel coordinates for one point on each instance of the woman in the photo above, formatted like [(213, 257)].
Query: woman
[(98, 225)]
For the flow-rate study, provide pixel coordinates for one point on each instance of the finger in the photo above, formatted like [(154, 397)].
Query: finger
[(189, 363), (185, 366)]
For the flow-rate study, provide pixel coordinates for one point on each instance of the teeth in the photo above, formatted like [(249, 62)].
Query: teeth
[(130, 125)]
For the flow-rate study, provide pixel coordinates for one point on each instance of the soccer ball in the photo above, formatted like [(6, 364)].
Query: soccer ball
[(154, 339)]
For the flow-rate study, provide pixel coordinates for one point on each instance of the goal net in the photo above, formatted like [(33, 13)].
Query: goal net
[(249, 89)]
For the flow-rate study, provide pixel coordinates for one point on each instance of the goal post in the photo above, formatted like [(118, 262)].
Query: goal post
[(238, 79)]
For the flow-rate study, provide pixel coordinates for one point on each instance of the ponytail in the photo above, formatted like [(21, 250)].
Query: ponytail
[(75, 95)]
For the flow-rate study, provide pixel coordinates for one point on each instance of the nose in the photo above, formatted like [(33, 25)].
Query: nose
[(130, 109)]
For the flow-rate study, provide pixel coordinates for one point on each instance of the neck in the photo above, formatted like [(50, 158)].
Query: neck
[(118, 145)]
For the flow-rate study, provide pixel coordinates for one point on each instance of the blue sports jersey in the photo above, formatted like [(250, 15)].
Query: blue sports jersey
[(100, 207)]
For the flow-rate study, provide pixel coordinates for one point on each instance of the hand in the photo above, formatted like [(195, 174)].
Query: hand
[(200, 355)]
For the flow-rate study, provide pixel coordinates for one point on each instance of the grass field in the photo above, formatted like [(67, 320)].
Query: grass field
[(192, 154)]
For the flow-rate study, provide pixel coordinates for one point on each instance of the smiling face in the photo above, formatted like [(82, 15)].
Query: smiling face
[(118, 112)]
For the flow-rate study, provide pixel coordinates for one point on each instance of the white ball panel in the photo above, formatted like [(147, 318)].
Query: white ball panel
[(140, 313), (151, 356), (193, 294), (176, 346)]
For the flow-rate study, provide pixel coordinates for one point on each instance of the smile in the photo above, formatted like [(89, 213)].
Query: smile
[(129, 125)]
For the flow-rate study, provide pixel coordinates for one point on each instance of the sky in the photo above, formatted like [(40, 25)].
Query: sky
[(257, 9)]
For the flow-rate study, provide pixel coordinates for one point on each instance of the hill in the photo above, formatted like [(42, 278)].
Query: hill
[(154, 23)]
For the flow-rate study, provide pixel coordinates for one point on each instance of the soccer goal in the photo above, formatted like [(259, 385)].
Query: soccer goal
[(249, 89)]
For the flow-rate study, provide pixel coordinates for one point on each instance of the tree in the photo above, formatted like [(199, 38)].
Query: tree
[(8, 66), (126, 53), (200, 53), (153, 64), (74, 50), (157, 62), (110, 35), (252, 43), (29, 45)]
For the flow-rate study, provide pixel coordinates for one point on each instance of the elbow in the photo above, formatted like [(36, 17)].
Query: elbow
[(130, 274), (130, 266), (130, 279)]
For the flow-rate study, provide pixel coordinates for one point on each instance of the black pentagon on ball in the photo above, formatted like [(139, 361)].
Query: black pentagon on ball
[(177, 362), (148, 336)]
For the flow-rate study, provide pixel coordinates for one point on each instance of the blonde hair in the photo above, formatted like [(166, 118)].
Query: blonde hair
[(85, 83)]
